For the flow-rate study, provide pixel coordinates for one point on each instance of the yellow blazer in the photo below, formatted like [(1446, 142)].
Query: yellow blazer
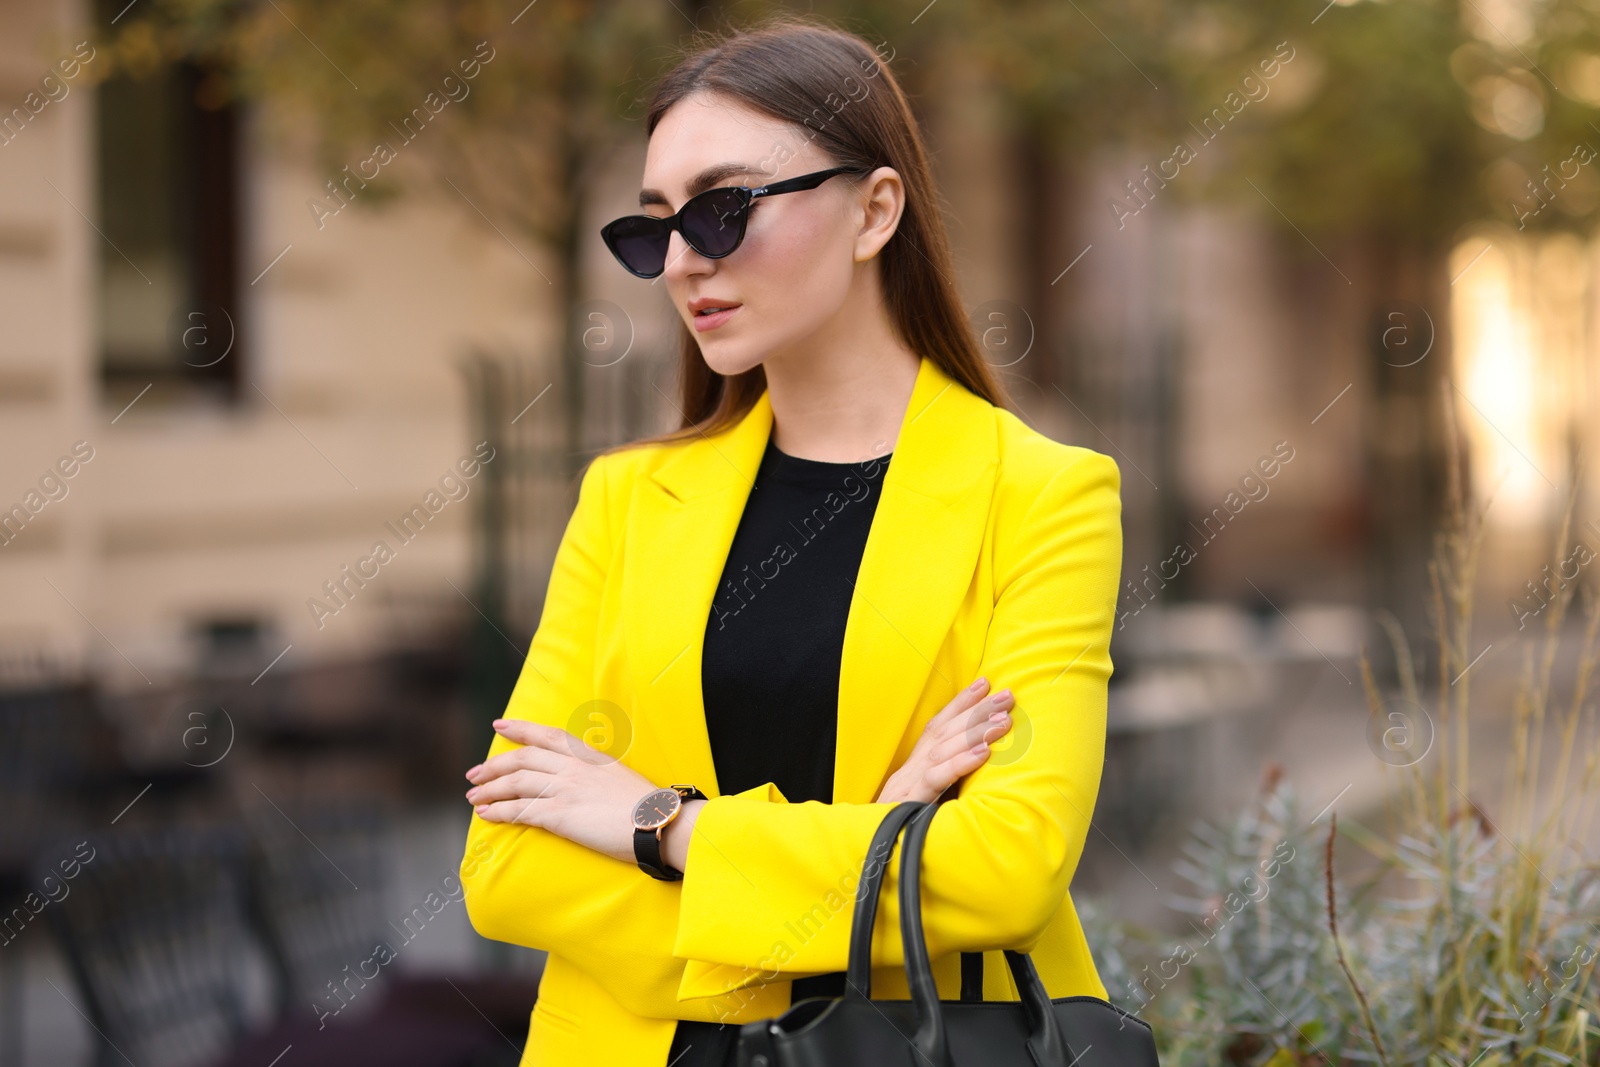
[(994, 551)]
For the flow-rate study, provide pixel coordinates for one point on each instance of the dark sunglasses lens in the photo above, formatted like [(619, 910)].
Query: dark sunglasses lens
[(640, 242), (714, 221)]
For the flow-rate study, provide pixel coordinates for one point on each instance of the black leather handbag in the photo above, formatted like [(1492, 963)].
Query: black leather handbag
[(857, 1031)]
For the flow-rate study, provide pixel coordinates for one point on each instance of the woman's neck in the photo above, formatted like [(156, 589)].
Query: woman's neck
[(844, 409)]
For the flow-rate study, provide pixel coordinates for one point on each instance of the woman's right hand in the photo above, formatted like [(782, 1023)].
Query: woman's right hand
[(953, 745)]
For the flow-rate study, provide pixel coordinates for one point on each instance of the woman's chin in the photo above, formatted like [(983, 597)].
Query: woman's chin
[(729, 360)]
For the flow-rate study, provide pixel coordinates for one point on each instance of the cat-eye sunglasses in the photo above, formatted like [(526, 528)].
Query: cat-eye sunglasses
[(712, 223)]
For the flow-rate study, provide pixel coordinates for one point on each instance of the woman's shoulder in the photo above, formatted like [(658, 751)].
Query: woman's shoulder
[(1047, 493), (1029, 460), (612, 474), (607, 483), (626, 462)]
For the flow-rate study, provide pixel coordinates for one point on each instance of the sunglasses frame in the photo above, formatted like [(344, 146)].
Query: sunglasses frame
[(746, 196)]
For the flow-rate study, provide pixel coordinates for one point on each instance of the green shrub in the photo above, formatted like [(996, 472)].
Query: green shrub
[(1473, 940)]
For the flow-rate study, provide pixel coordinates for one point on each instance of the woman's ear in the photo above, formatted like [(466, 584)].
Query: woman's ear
[(883, 201)]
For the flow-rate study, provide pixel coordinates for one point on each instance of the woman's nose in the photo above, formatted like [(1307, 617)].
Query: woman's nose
[(682, 259)]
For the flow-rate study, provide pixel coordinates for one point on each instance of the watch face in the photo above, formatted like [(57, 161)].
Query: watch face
[(657, 809)]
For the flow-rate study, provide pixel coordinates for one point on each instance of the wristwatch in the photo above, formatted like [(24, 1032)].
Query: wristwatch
[(650, 816)]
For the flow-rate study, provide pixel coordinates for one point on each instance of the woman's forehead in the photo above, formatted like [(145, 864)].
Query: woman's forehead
[(707, 139)]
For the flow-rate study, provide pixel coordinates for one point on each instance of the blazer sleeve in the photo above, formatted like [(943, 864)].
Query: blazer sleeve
[(769, 886), (528, 886)]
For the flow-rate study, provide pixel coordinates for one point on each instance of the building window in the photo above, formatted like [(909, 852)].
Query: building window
[(168, 176)]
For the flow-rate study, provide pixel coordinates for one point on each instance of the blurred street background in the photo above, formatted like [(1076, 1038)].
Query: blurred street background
[(1271, 258)]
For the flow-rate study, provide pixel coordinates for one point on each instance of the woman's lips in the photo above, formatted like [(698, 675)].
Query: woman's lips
[(702, 323)]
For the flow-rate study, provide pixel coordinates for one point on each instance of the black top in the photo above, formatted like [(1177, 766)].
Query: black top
[(773, 642)]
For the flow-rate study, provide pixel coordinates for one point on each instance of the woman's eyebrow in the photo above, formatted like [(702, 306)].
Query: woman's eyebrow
[(709, 178)]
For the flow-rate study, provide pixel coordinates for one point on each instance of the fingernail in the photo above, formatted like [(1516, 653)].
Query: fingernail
[(472, 794), (998, 716), (498, 723), (982, 747), (480, 809), (1002, 694), (975, 686), (473, 770)]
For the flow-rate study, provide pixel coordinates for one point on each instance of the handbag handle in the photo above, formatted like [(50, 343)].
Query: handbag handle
[(1044, 1036), (1045, 1039), (858, 978)]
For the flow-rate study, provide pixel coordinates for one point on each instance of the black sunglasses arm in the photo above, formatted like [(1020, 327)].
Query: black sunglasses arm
[(805, 181)]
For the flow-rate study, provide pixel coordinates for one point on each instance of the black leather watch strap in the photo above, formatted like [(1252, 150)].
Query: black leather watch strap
[(647, 850), (647, 843)]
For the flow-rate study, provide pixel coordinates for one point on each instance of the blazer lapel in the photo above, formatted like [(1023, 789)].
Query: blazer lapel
[(917, 566), (681, 524)]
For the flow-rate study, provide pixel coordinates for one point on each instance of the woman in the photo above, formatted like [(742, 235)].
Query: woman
[(779, 607)]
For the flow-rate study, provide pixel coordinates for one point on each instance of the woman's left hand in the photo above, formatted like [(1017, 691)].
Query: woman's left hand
[(558, 783)]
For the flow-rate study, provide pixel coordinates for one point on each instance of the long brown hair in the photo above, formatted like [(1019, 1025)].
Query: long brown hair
[(795, 68)]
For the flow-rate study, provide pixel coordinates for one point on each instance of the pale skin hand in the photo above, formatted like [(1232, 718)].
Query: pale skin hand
[(557, 782), (953, 744)]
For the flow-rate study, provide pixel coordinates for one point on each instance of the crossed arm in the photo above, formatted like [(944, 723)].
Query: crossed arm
[(768, 884)]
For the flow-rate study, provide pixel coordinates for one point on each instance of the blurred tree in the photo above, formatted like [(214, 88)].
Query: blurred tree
[(1363, 155), (1409, 118), (1397, 127)]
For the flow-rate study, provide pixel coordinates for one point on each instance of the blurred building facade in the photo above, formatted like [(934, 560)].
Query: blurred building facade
[(255, 400)]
